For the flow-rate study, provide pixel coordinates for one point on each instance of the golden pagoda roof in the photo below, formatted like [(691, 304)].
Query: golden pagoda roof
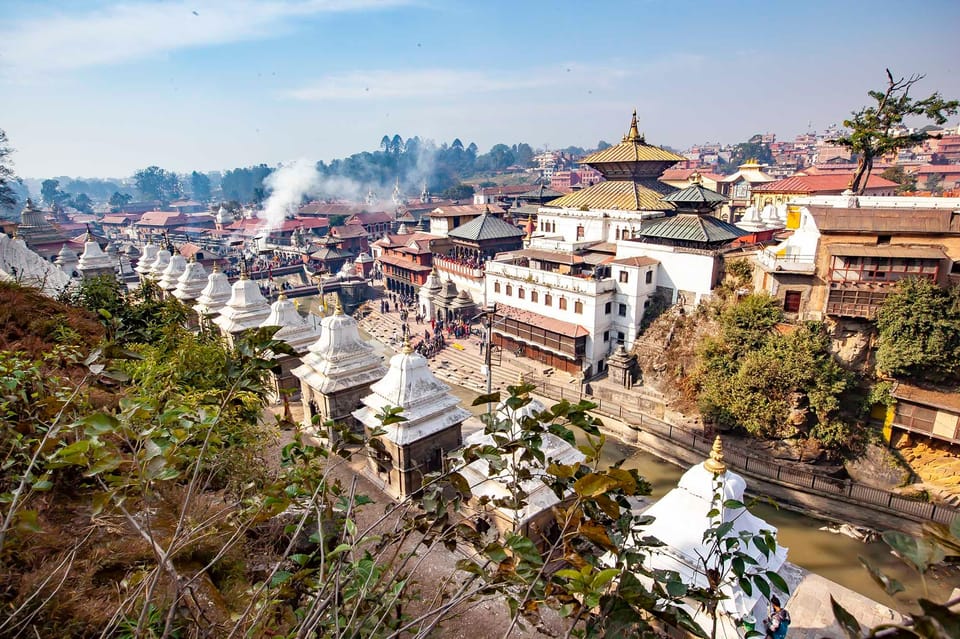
[(622, 195), (633, 148)]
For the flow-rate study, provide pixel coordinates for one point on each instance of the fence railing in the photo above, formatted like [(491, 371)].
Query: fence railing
[(797, 479)]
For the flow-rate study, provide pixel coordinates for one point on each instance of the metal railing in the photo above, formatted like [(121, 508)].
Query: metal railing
[(796, 479)]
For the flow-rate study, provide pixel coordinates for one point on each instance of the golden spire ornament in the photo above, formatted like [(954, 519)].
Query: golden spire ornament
[(715, 464)]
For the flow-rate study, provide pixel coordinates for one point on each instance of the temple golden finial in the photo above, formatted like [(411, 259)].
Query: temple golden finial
[(338, 307), (216, 266), (407, 349), (634, 134), (281, 296), (243, 269), (696, 178), (715, 464)]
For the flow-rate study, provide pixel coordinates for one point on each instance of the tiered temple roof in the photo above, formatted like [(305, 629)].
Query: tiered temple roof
[(94, 260), (175, 268), (191, 283), (246, 309), (147, 258)]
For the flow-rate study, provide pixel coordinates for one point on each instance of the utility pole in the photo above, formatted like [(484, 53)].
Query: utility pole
[(489, 311)]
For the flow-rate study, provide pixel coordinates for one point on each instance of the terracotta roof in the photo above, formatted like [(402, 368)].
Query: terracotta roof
[(507, 189), (120, 218), (623, 195), (543, 321), (404, 240), (636, 261), (464, 209), (370, 217), (555, 257), (163, 218), (348, 231), (819, 183), (938, 169), (327, 208), (410, 265), (868, 220)]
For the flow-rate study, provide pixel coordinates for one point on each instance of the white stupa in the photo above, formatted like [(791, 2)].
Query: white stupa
[(191, 283), (680, 519), (147, 257), (339, 358), (426, 294), (94, 261), (175, 268), (214, 295), (246, 308), (223, 217), (485, 482), (431, 427), (67, 261), (159, 265), (295, 330), (751, 220), (770, 217), (19, 264)]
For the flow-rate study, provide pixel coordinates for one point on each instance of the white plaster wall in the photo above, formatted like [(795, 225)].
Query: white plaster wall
[(678, 270)]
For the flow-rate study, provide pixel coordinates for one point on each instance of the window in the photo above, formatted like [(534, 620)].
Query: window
[(622, 311), (548, 299), (496, 287), (646, 303), (607, 307), (509, 290), (650, 277), (791, 301), (580, 231), (578, 307), (883, 239), (606, 336), (534, 296), (563, 303), (521, 293), (621, 337), (624, 277)]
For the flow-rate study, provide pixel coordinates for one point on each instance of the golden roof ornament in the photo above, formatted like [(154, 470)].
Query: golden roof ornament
[(696, 178), (338, 307), (407, 349), (715, 463), (216, 266), (281, 296), (634, 134), (243, 269)]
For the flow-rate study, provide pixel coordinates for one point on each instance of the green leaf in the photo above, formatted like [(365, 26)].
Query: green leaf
[(890, 586), (762, 585), (281, 577), (492, 398), (300, 559), (594, 484), (77, 447), (778, 582), (468, 566), (920, 552), (100, 423), (733, 504), (676, 588), (604, 577), (27, 521), (847, 621)]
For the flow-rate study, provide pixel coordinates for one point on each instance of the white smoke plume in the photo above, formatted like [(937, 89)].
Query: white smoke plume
[(287, 185)]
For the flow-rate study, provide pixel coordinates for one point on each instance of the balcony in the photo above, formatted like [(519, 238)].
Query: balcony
[(457, 267), (801, 264), (573, 283), (856, 301)]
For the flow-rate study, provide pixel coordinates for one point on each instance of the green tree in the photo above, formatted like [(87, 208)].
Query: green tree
[(8, 198), (934, 184), (919, 332), (155, 183), (875, 131), (458, 192), (907, 181), (200, 187), (82, 202), (119, 200), (51, 193)]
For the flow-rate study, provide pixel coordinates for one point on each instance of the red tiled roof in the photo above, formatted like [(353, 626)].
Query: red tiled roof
[(163, 218), (120, 218), (543, 321), (348, 231), (327, 208), (813, 184), (369, 217), (938, 169), (636, 261), (410, 265), (508, 189), (464, 209), (404, 240)]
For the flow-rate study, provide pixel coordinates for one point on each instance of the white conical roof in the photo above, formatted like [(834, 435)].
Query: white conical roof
[(339, 359), (223, 216), (147, 258), (681, 517), (295, 330), (159, 265), (215, 295), (191, 283), (93, 257), (170, 275), (751, 220), (433, 281), (426, 402), (246, 308), (18, 263)]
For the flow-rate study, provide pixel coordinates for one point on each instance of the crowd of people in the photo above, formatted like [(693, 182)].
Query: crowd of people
[(434, 338)]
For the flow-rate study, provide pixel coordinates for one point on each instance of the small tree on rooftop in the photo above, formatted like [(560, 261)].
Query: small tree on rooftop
[(876, 130)]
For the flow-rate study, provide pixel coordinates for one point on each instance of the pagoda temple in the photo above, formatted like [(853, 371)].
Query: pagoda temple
[(246, 309), (298, 333), (336, 373), (213, 297), (40, 236), (431, 427)]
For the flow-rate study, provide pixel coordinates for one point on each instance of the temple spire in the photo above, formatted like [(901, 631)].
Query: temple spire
[(338, 308), (715, 464), (634, 134)]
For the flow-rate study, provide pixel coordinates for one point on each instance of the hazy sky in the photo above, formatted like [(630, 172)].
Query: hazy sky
[(93, 88)]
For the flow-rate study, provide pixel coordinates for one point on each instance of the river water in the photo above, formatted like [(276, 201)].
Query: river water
[(831, 555)]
